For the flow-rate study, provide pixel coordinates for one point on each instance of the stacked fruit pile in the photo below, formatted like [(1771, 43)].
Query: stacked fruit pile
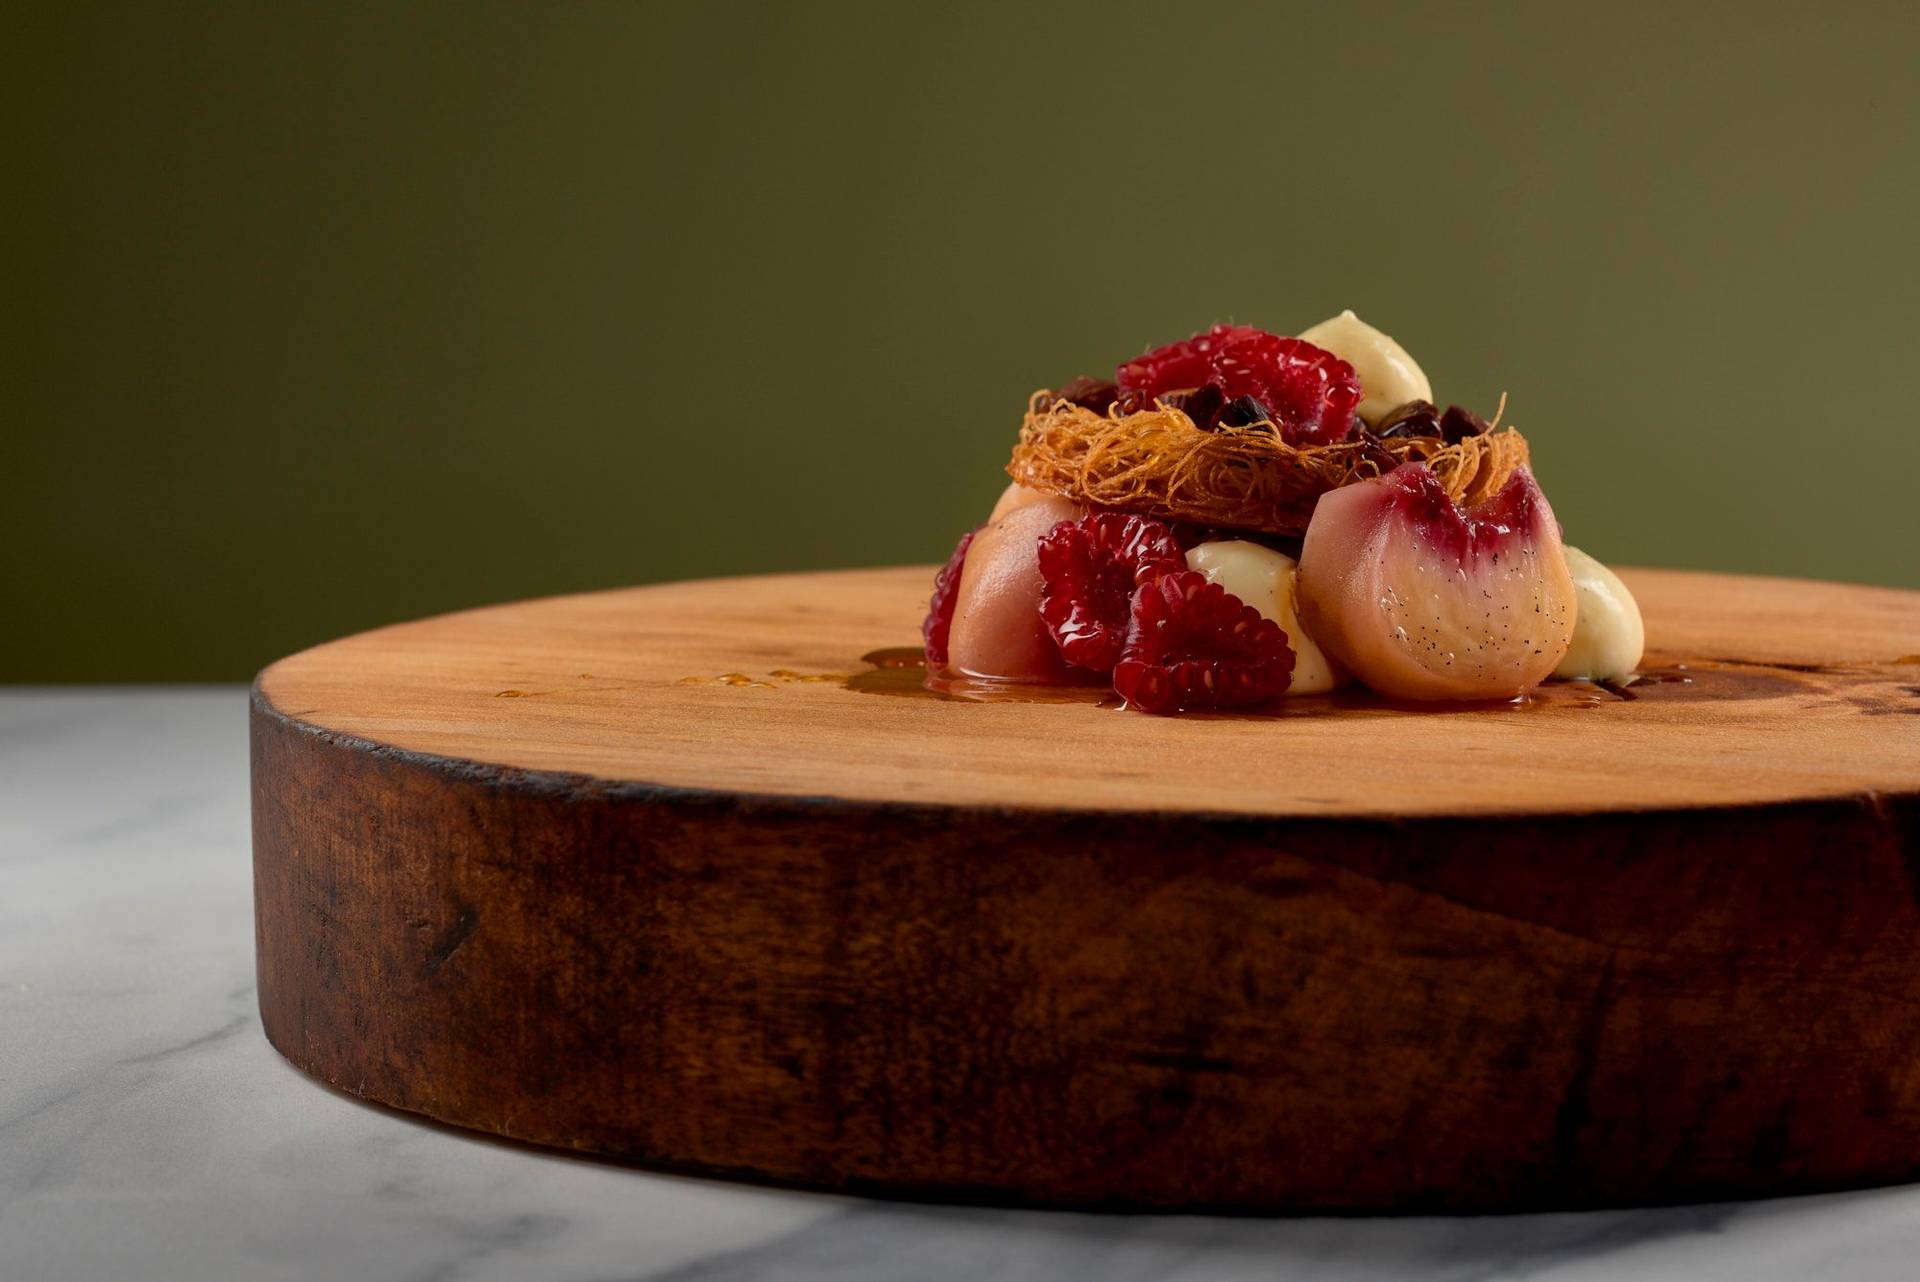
[(1395, 583)]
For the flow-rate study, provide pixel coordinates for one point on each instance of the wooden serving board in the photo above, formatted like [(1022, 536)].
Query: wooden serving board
[(671, 874)]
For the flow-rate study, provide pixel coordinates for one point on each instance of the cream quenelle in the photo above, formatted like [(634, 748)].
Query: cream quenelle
[(1608, 635), (1389, 377)]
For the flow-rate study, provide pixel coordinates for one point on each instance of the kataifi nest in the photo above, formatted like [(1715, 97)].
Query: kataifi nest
[(1159, 463)]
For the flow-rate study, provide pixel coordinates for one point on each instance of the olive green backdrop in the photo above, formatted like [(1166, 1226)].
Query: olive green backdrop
[(320, 317)]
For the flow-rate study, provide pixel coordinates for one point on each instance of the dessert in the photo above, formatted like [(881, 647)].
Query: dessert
[(1241, 516)]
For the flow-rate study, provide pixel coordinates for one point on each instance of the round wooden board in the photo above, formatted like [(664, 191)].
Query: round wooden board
[(669, 874)]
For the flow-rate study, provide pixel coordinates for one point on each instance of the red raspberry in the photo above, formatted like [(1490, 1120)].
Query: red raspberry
[(938, 625), (1089, 569), (1193, 644), (1187, 363), (1310, 392)]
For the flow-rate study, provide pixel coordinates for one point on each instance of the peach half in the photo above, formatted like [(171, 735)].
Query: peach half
[(1423, 599)]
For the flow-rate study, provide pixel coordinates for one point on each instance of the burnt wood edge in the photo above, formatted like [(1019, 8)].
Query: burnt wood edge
[(1895, 815), (979, 1195)]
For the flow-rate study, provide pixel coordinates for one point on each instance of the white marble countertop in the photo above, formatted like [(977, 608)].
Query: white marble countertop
[(148, 1131)]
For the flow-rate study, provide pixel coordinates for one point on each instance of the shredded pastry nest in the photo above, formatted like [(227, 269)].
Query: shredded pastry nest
[(1157, 462)]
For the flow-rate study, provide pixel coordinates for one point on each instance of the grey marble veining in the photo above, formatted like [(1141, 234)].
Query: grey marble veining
[(148, 1132)]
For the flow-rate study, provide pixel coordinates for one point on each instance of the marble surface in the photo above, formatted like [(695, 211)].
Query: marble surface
[(147, 1130)]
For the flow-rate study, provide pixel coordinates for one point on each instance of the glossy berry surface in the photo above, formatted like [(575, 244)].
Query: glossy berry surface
[(1309, 392), (1090, 569), (937, 627), (1192, 644), (1177, 366)]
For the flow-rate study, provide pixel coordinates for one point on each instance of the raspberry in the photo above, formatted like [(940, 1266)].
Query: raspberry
[(1185, 364), (1310, 392), (938, 625), (1089, 569), (1193, 644)]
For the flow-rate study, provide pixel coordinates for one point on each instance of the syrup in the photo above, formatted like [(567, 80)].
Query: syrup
[(898, 656), (1706, 680), (738, 679), (901, 672)]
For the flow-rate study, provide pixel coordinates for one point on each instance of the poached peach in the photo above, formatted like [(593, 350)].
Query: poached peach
[(1422, 599), (1015, 495), (997, 629)]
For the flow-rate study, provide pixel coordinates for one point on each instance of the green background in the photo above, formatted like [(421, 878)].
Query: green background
[(317, 318)]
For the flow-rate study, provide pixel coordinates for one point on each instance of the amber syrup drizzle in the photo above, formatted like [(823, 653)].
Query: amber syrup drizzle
[(901, 672)]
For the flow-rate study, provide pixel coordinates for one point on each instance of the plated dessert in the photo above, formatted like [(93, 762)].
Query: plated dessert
[(513, 870), (1241, 517)]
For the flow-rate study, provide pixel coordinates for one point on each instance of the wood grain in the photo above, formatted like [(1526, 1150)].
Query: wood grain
[(514, 871)]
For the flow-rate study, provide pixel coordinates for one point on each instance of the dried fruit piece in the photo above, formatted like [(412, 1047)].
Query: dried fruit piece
[(1422, 599), (1415, 418), (1245, 411), (1203, 405), (1094, 394), (1193, 644), (1090, 569), (1376, 451), (937, 627), (1457, 424)]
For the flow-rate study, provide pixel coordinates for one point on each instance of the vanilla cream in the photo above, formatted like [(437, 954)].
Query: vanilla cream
[(1388, 376), (1608, 635)]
